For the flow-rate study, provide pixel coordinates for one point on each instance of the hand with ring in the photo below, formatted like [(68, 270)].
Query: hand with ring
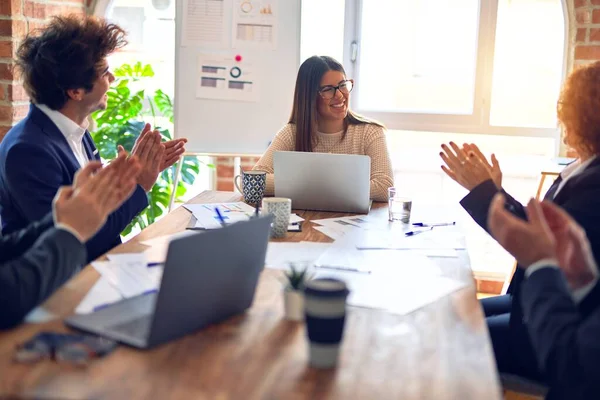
[(464, 166)]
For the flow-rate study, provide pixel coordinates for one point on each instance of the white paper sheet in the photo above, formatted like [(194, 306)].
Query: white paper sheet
[(281, 254), (101, 294), (255, 24), (331, 232), (129, 280), (203, 23), (434, 240), (158, 246), (399, 292), (222, 77)]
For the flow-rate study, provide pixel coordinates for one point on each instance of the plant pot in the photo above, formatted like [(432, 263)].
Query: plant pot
[(293, 301)]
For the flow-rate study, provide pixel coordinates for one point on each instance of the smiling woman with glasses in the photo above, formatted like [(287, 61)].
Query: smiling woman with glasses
[(322, 122)]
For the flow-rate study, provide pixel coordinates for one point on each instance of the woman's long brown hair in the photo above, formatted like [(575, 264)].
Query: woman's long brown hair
[(304, 110)]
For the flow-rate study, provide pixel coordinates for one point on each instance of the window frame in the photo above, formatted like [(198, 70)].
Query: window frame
[(479, 120)]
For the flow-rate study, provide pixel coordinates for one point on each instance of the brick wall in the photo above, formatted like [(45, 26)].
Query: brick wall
[(17, 17), (587, 31), (225, 170)]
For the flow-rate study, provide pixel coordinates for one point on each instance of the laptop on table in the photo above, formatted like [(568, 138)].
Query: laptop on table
[(208, 277), (324, 181)]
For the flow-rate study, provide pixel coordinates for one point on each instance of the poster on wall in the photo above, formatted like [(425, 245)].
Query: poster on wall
[(226, 78), (204, 23), (255, 24)]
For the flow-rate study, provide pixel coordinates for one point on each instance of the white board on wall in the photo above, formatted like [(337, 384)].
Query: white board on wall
[(222, 122)]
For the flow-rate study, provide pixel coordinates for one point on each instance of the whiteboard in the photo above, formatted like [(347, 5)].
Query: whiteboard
[(219, 126)]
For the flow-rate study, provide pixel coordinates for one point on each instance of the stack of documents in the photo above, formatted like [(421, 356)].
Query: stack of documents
[(122, 276), (206, 216)]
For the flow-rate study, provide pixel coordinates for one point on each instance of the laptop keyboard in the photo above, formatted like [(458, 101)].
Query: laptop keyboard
[(138, 327)]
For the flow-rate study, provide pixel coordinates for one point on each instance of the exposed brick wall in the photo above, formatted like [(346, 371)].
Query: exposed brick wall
[(225, 170), (587, 31), (17, 18)]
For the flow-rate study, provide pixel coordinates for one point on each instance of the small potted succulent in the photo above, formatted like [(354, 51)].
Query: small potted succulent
[(293, 292)]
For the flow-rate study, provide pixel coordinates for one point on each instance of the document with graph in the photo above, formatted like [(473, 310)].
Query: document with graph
[(254, 24)]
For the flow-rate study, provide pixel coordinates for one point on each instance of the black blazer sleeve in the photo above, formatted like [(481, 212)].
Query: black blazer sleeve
[(477, 203), (15, 244), (566, 343), (28, 279)]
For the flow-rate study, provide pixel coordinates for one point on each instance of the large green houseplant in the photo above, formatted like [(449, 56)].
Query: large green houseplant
[(129, 107)]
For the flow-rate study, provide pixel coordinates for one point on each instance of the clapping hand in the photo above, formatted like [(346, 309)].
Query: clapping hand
[(493, 168), (95, 194), (155, 156), (549, 233), (464, 166)]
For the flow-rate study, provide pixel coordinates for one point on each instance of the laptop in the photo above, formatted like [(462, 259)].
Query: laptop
[(324, 181), (208, 277)]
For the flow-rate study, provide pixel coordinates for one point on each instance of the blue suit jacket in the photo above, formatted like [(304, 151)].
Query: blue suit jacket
[(564, 335), (35, 160)]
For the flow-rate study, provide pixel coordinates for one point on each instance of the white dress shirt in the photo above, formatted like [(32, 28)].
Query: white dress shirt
[(571, 170), (72, 132)]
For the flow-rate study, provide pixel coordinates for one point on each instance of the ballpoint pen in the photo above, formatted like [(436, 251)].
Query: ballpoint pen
[(412, 233), (154, 264), (220, 217), (424, 224)]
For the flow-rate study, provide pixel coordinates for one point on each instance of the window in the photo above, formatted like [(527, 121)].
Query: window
[(150, 27), (524, 92), (427, 64), (472, 66), (322, 29)]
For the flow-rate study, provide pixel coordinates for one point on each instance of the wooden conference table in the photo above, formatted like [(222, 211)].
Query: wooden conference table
[(441, 351)]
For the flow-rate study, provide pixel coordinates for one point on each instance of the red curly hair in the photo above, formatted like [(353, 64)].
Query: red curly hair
[(579, 109)]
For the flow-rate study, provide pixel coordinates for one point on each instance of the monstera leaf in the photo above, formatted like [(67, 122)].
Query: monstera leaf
[(128, 109)]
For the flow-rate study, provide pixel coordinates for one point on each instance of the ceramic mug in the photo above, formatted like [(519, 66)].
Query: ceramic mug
[(281, 208), (253, 185)]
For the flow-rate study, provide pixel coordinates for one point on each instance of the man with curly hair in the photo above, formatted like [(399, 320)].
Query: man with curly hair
[(66, 75)]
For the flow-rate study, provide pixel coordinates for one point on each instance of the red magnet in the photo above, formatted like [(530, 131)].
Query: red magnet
[(238, 58)]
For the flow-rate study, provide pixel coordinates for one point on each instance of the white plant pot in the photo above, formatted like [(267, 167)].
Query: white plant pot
[(293, 301)]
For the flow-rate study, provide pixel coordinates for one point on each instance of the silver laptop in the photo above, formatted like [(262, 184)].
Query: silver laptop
[(323, 181), (208, 277)]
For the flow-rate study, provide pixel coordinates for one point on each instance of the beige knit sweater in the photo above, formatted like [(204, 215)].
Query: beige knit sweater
[(363, 139)]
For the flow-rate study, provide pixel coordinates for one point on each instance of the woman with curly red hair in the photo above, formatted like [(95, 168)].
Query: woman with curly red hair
[(576, 190)]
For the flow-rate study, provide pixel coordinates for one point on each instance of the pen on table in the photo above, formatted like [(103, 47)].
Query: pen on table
[(155, 264), (221, 219), (423, 224), (344, 269), (412, 233)]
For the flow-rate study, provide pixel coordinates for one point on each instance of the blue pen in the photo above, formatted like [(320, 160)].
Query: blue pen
[(220, 217), (154, 264), (412, 233)]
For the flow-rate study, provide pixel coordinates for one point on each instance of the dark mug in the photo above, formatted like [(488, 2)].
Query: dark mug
[(325, 315), (253, 185)]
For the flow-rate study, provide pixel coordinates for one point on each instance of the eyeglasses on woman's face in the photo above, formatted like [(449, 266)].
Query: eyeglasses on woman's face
[(328, 92)]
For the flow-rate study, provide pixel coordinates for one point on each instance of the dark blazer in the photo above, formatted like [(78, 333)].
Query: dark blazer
[(35, 160), (580, 197), (34, 262), (566, 344)]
